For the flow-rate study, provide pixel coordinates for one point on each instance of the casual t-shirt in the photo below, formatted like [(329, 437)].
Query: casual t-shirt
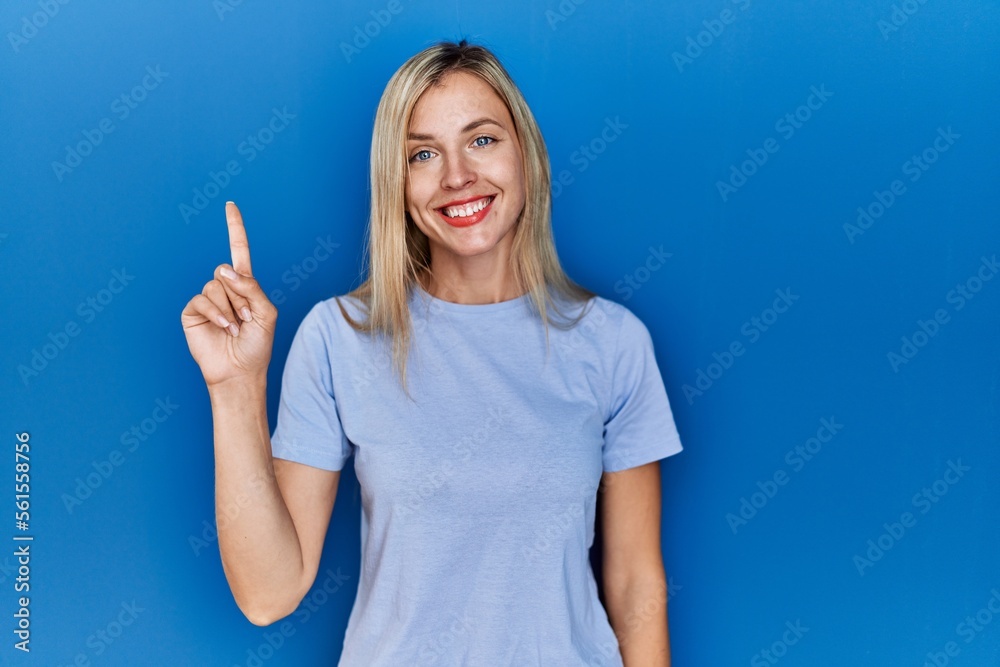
[(478, 499)]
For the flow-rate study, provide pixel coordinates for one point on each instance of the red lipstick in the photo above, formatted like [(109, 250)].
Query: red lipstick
[(469, 220)]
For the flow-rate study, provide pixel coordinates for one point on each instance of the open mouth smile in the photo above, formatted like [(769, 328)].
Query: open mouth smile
[(466, 213)]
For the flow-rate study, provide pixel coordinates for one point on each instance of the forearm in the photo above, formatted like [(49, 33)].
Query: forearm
[(260, 550), (638, 614)]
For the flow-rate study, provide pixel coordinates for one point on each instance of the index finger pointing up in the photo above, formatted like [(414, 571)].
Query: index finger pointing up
[(238, 245)]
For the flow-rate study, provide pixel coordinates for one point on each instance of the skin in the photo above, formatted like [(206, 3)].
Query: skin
[(635, 583), (448, 162), (273, 514)]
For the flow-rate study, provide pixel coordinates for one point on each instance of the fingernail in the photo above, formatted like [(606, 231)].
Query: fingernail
[(235, 330), (228, 273), (223, 322), (246, 314)]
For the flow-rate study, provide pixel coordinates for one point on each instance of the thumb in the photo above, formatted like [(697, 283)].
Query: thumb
[(250, 289)]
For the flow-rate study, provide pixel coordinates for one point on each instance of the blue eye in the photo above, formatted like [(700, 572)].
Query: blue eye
[(478, 143)]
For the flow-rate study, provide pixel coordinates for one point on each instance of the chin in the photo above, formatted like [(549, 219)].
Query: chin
[(471, 250)]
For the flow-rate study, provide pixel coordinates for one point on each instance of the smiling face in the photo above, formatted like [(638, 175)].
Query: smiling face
[(465, 182)]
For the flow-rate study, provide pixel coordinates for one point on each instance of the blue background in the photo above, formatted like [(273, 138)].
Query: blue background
[(684, 127)]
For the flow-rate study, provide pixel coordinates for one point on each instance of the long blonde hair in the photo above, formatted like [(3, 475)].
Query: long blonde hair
[(398, 251)]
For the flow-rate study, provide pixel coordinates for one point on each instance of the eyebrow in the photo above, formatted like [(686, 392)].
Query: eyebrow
[(468, 128)]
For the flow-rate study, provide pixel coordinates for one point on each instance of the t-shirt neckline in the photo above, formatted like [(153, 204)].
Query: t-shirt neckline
[(469, 308)]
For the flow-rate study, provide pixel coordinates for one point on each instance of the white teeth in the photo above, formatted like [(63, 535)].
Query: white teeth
[(466, 210)]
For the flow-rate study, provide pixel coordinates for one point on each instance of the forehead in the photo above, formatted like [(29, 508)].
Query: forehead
[(456, 99)]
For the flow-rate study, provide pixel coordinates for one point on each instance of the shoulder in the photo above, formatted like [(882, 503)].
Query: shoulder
[(332, 308), (616, 322), (605, 330), (326, 318)]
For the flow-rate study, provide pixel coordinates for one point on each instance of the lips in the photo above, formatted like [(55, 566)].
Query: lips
[(466, 212)]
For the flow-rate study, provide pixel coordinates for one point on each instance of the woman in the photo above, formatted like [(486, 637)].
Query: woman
[(480, 461)]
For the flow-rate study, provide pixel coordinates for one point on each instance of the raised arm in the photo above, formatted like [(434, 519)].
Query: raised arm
[(272, 515)]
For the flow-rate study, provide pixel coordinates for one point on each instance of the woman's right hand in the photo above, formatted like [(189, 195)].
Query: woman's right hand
[(230, 326)]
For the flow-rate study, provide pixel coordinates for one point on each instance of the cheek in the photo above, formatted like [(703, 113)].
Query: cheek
[(417, 192), (515, 171), (516, 180), (508, 173)]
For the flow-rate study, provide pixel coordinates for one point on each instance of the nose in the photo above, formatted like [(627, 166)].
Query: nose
[(458, 172)]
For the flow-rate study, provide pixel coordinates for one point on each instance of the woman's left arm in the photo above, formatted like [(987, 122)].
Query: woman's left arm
[(635, 586)]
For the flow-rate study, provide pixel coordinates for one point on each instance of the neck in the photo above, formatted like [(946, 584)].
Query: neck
[(469, 292)]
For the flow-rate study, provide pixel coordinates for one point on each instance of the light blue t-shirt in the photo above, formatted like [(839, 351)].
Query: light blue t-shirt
[(479, 499)]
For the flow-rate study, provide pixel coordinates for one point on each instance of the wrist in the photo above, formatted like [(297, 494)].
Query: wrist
[(239, 389)]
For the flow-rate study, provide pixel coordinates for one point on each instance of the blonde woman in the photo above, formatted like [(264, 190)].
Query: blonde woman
[(481, 434)]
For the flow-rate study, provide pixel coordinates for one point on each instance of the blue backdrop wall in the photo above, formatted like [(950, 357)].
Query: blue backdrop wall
[(799, 200)]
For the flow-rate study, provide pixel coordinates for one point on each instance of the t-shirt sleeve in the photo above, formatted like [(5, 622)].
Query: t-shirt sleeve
[(640, 426), (308, 428)]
